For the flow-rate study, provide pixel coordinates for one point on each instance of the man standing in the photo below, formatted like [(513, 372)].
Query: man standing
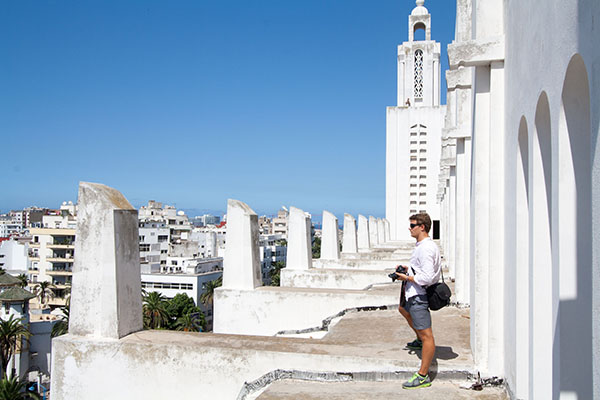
[(424, 270)]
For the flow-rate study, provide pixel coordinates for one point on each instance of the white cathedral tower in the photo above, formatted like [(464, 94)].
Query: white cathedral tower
[(414, 130)]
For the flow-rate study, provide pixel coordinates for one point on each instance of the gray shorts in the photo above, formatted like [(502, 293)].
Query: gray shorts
[(418, 308)]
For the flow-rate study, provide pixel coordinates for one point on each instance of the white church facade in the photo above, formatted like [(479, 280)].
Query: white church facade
[(414, 129), (519, 191)]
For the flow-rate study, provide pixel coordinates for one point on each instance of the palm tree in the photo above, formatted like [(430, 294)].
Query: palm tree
[(13, 389), (62, 326), (12, 331), (67, 292), (44, 292), (23, 278), (155, 311), (209, 289), (192, 322), (275, 272)]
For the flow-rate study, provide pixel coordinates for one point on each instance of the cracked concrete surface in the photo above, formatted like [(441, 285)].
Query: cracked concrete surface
[(302, 390)]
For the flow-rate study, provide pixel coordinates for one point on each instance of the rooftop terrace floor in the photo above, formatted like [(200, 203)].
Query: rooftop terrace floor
[(302, 390), (384, 334)]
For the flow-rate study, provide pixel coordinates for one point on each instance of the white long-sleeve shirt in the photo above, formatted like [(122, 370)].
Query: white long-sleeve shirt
[(425, 260)]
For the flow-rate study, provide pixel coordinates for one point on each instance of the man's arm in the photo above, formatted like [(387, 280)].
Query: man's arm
[(427, 272)]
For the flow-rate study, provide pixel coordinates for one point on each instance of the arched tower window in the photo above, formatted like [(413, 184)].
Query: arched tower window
[(419, 31), (418, 90)]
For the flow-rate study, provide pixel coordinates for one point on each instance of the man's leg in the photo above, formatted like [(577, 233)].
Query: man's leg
[(426, 336), (406, 315)]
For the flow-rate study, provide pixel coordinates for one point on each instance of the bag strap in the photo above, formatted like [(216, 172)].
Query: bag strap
[(441, 270)]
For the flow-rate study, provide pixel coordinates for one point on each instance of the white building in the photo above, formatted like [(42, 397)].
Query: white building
[(414, 130), (211, 240), (154, 246), (272, 249), (280, 223), (186, 276), (519, 191), (14, 257), (179, 225), (9, 226), (51, 257), (206, 219)]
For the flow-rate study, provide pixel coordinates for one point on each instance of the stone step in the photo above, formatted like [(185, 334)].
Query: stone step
[(440, 389)]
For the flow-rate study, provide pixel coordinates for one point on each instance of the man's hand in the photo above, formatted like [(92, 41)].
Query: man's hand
[(402, 277)]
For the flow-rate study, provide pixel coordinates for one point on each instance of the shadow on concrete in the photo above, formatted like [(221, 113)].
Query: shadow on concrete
[(441, 353)]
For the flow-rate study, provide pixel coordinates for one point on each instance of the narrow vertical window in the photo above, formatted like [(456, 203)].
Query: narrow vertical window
[(418, 92)]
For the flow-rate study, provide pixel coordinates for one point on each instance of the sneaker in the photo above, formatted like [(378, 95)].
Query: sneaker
[(415, 345), (417, 381)]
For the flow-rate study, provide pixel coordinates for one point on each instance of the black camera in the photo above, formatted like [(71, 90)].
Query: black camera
[(399, 269)]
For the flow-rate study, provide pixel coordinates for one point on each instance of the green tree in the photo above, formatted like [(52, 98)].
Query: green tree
[(61, 327), (180, 306), (209, 290), (316, 248), (275, 272), (12, 331), (191, 322), (155, 311), (13, 389), (23, 278), (43, 292)]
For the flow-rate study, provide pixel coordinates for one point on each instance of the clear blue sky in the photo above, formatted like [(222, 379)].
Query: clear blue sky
[(271, 102)]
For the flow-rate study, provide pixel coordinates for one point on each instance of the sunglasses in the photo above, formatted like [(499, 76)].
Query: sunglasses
[(413, 225)]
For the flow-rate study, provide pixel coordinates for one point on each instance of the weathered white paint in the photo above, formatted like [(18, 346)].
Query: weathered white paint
[(241, 264), (377, 263), (106, 294), (533, 279), (299, 252), (330, 245), (381, 231), (337, 278), (199, 366), (364, 242), (268, 310), (211, 244), (349, 242), (387, 229), (373, 231)]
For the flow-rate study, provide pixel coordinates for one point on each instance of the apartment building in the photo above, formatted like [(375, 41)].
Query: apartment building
[(154, 246), (51, 256), (280, 223)]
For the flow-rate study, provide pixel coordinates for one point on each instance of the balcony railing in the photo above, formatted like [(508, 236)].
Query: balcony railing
[(59, 259), (60, 246), (60, 271)]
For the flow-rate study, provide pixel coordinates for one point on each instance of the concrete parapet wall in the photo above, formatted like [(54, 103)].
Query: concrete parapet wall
[(268, 310), (333, 278), (359, 264), (134, 367)]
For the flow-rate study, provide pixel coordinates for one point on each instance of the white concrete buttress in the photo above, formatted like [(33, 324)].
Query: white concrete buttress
[(241, 266), (373, 231), (106, 296), (349, 241), (330, 249), (299, 251), (364, 242)]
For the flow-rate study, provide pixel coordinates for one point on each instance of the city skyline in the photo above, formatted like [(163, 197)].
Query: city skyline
[(193, 103)]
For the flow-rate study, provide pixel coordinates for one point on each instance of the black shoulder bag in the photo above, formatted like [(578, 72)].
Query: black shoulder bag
[(438, 295)]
